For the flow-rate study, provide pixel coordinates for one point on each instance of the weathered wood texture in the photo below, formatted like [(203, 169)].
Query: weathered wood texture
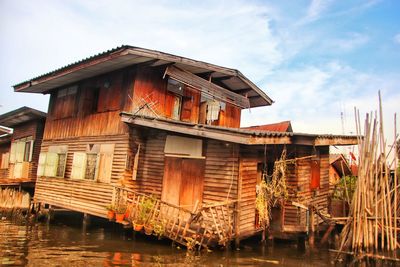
[(32, 129), (247, 193), (300, 179), (4, 148), (83, 195), (221, 171), (95, 109), (221, 168)]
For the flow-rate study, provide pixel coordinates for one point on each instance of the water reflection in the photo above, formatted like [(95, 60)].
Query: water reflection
[(64, 243)]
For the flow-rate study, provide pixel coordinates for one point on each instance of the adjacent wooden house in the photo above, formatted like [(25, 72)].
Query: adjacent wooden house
[(133, 122), (20, 148)]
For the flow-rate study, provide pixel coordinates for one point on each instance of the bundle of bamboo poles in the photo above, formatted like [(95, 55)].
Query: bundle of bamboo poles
[(373, 218)]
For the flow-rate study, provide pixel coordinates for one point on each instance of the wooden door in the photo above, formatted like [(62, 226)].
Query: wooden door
[(171, 180), (183, 181)]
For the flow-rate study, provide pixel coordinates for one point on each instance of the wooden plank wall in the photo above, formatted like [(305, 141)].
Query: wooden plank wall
[(90, 119), (302, 174), (221, 169), (221, 173), (247, 190), (151, 162), (83, 195)]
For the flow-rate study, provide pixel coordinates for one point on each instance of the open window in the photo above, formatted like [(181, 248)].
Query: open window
[(210, 110), (94, 164), (53, 162)]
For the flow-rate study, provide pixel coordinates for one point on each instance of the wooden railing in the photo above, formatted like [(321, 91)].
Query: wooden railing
[(208, 225)]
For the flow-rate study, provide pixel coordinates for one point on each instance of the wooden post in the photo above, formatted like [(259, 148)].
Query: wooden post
[(311, 229), (86, 221), (50, 214)]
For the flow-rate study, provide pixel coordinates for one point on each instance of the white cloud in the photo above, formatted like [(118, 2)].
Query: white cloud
[(349, 43)]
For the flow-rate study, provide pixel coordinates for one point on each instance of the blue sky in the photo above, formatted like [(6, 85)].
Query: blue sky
[(315, 59)]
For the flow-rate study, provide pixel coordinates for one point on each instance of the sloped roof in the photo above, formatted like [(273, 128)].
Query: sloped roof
[(20, 115), (340, 164), (284, 126), (126, 55), (237, 135)]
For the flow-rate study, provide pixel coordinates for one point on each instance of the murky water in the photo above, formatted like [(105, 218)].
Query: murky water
[(65, 242)]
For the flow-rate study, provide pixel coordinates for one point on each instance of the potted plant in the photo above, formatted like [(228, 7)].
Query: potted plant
[(111, 212), (120, 213), (145, 208), (148, 227)]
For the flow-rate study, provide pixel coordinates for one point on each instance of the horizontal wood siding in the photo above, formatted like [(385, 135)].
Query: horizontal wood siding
[(221, 173), (293, 215), (83, 195), (151, 163)]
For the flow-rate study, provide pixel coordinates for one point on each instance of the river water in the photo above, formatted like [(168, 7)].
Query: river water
[(64, 242)]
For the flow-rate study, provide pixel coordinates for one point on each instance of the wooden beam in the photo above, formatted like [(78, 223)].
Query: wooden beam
[(200, 131), (336, 141), (243, 91)]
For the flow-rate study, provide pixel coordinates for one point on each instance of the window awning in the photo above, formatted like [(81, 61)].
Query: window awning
[(206, 87)]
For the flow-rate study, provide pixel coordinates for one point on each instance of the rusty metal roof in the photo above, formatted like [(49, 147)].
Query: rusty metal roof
[(284, 126), (20, 115), (124, 56)]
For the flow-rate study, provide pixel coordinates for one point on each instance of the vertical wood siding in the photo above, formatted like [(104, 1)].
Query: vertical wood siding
[(247, 194)]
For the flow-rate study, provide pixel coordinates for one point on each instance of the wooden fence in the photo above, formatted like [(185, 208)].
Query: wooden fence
[(208, 225)]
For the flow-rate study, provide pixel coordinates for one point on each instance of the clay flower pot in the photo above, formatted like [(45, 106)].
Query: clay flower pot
[(137, 227), (119, 217), (110, 215)]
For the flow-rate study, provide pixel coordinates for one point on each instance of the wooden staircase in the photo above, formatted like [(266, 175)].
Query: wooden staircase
[(209, 225)]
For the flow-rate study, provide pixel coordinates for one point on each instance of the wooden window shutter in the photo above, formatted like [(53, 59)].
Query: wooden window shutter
[(78, 165), (315, 174), (136, 164), (105, 162), (25, 169), (19, 154), (51, 164), (12, 152), (18, 170), (5, 160), (31, 151), (41, 164)]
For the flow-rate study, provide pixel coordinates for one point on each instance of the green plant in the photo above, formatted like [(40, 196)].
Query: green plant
[(144, 210), (110, 207), (347, 183), (120, 209)]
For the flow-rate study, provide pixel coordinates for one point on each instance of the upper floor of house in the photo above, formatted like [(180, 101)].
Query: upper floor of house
[(19, 147), (87, 97)]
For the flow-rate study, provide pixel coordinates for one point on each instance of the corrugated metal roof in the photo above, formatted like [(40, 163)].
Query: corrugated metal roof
[(124, 56), (252, 137), (284, 126), (20, 115)]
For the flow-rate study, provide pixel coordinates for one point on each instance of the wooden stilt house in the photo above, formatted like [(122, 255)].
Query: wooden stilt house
[(20, 149), (135, 125)]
